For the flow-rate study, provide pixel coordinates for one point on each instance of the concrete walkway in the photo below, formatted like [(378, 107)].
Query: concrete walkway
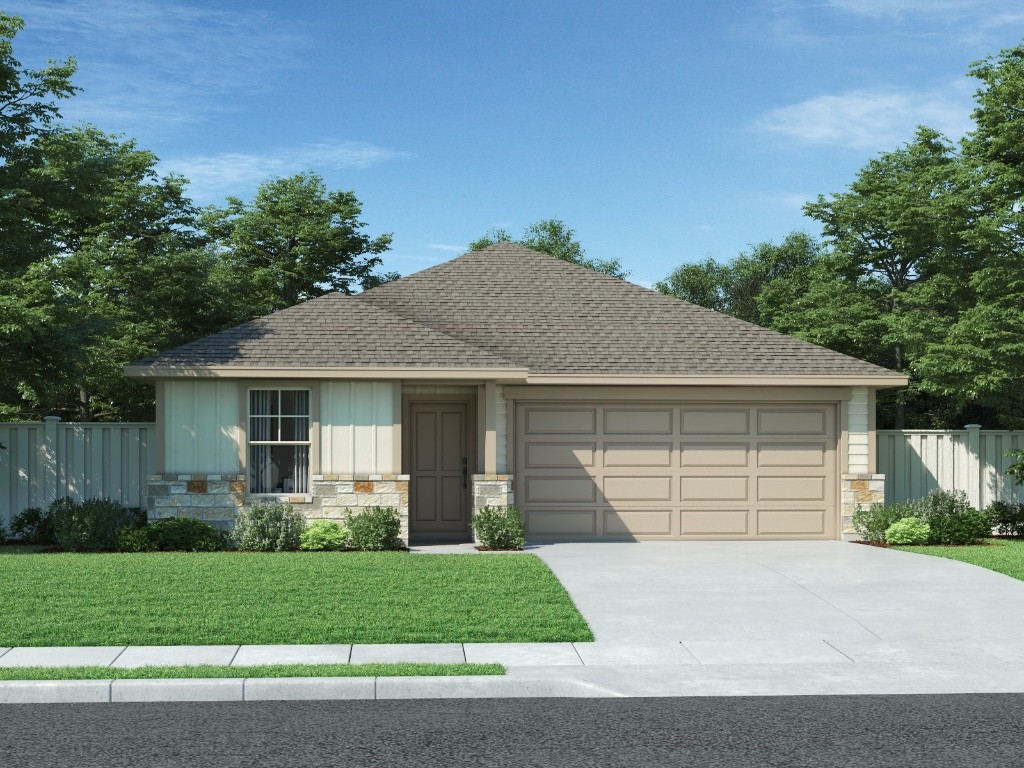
[(670, 619)]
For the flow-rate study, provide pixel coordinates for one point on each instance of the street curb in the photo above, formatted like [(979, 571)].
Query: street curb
[(289, 689)]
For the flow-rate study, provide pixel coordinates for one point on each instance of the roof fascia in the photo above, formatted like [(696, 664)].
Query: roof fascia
[(879, 382), (511, 375)]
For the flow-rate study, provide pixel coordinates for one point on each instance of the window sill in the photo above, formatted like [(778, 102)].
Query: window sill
[(291, 498)]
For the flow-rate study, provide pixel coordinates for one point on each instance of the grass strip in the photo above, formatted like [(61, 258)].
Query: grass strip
[(237, 598), (1004, 556), (265, 670)]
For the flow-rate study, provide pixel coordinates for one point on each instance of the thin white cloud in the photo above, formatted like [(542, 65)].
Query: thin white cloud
[(869, 119), (146, 60), (446, 247), (212, 177)]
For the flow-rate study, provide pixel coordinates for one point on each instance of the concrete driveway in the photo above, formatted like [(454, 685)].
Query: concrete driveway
[(743, 602)]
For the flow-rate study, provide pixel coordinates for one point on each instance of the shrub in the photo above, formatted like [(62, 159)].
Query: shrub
[(499, 528), (952, 519), (909, 530), (324, 536), (173, 534), (90, 525), (1006, 518), (33, 526), (872, 522), (268, 526), (375, 528)]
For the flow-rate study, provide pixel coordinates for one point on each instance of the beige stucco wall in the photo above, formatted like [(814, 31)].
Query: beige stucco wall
[(200, 426), (357, 427)]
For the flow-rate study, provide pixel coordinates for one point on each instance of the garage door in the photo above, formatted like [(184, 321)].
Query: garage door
[(672, 471)]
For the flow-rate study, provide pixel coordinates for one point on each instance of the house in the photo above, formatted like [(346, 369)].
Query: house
[(603, 409)]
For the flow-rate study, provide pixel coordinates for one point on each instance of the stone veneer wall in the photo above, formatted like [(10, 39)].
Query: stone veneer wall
[(334, 495), (491, 491), (860, 490), (215, 498)]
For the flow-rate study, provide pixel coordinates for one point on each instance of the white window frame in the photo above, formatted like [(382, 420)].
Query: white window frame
[(249, 442)]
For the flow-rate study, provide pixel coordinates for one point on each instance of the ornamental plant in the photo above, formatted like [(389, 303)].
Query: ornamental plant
[(499, 528), (91, 525), (374, 529), (172, 534), (324, 536), (268, 526), (909, 530)]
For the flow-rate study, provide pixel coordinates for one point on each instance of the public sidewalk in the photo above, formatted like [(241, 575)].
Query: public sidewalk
[(601, 669)]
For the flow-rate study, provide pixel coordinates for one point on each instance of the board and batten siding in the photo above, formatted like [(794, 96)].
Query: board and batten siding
[(357, 427), (201, 427), (501, 428), (858, 432)]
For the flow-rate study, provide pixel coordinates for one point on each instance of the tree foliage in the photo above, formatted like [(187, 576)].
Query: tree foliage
[(554, 237), (921, 269), (296, 240), (104, 261)]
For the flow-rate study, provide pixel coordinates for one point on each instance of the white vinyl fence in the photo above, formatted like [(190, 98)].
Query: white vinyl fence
[(46, 461), (972, 460)]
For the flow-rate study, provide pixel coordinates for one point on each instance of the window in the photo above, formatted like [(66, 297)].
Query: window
[(278, 441)]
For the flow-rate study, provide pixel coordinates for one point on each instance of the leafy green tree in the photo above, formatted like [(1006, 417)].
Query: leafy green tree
[(554, 237), (129, 275), (737, 288), (900, 263), (28, 113), (296, 240)]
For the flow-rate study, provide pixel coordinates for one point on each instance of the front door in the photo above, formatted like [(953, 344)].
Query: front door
[(439, 471)]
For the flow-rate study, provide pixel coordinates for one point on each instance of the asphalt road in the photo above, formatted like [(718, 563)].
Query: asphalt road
[(965, 730)]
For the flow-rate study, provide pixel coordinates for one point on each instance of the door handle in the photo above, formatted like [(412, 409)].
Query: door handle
[(465, 472)]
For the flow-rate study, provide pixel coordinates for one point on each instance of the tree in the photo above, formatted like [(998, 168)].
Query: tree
[(296, 240), (552, 236), (899, 260), (128, 276), (737, 288), (28, 112)]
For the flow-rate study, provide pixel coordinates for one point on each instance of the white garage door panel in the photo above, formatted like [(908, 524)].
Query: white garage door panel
[(669, 471)]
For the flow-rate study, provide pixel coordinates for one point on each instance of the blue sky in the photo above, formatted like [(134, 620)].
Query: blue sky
[(662, 132)]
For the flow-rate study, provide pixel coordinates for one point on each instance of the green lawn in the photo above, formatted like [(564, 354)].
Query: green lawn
[(1001, 555), (292, 597), (268, 670)]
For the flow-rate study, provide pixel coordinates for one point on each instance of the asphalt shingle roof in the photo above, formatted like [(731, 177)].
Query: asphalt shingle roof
[(332, 331), (509, 306)]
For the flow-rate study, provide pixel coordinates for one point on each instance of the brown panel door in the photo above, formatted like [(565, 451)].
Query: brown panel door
[(439, 493)]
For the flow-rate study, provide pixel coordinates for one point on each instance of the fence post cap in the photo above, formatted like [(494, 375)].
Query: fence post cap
[(972, 426), (51, 418)]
